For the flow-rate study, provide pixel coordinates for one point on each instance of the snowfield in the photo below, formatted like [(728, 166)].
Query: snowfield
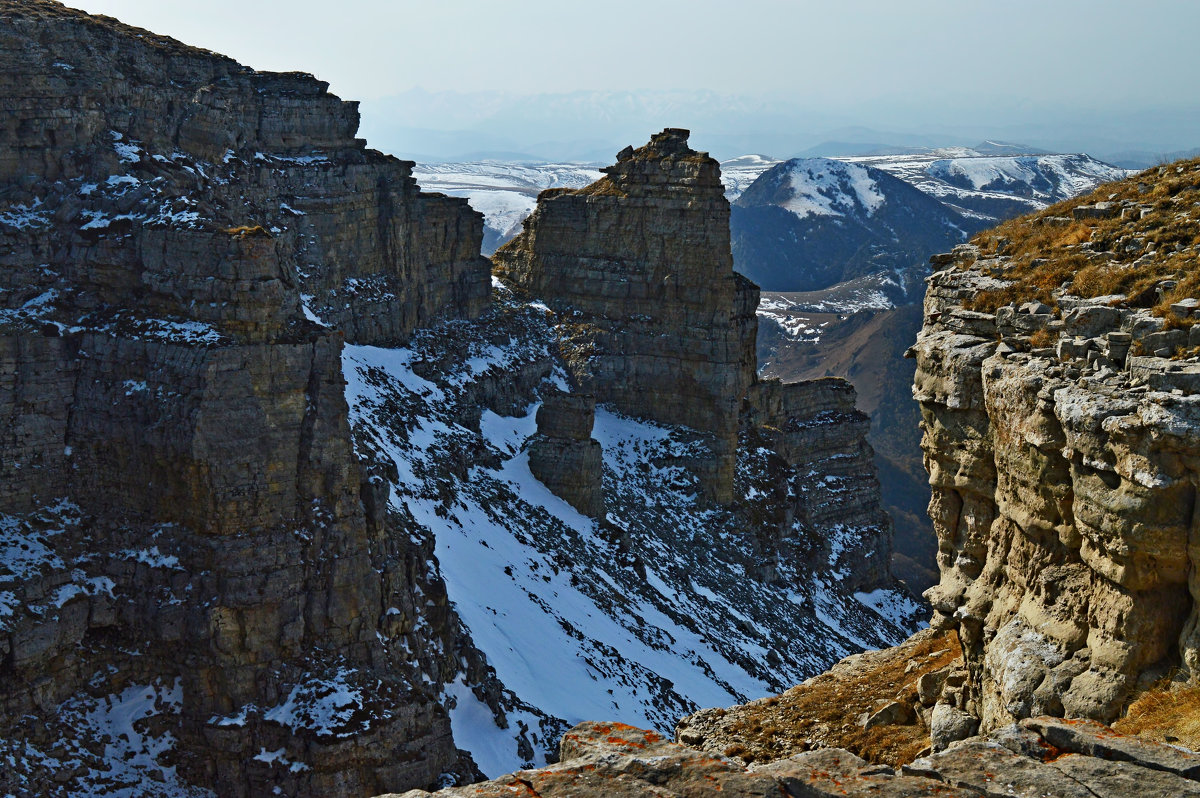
[(825, 187), (650, 615)]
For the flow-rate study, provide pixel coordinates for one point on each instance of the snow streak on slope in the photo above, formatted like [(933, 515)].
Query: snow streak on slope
[(825, 187), (643, 617)]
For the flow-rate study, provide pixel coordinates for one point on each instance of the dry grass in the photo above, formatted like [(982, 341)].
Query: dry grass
[(1165, 715), (1099, 257), (245, 230), (824, 712), (1041, 339), (604, 187)]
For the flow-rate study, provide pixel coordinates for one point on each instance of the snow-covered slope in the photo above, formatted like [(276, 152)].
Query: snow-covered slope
[(505, 193), (825, 187), (738, 173), (659, 609), (992, 188)]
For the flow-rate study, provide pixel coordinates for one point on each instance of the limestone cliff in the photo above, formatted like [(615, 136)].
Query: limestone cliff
[(187, 538), (640, 266), (1059, 392)]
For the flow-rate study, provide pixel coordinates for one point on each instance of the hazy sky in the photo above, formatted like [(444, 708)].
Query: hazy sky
[(1088, 52), (893, 62)]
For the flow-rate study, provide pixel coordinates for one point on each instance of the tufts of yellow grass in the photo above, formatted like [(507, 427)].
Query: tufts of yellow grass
[(1156, 240), (1166, 715)]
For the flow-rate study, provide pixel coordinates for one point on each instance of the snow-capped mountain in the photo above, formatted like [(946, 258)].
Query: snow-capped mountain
[(984, 183), (505, 193), (995, 187), (808, 224)]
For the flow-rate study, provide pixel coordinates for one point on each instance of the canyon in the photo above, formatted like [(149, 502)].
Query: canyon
[(300, 495), (271, 523)]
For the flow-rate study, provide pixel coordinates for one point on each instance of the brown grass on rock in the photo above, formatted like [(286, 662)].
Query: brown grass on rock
[(1154, 237), (824, 711), (1165, 715)]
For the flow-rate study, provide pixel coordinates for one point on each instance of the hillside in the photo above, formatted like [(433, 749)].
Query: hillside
[(296, 498)]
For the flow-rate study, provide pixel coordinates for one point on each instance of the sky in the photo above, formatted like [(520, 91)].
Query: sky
[(919, 65)]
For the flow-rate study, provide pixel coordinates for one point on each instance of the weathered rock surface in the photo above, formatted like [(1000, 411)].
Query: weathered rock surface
[(564, 456), (188, 539), (1064, 467), (615, 759), (639, 267)]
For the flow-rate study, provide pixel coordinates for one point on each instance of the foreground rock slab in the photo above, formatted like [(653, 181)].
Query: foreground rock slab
[(1085, 760), (613, 759)]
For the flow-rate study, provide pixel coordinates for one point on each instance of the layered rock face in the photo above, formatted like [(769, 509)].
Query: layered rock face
[(564, 456), (1061, 442), (371, 254), (825, 478), (638, 265), (185, 525)]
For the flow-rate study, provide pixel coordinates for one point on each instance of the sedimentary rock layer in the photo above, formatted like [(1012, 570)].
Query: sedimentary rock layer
[(1062, 445), (639, 267), (182, 506)]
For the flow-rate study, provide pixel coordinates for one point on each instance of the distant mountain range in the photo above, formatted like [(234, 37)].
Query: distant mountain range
[(812, 224), (808, 224)]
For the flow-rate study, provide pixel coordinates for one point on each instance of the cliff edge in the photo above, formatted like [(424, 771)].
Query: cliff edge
[(196, 568), (1060, 397)]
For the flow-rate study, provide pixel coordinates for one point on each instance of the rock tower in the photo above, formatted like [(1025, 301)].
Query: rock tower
[(638, 265)]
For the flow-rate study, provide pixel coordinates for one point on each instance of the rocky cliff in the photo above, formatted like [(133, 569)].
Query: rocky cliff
[(267, 439), (1057, 376), (197, 572), (657, 322)]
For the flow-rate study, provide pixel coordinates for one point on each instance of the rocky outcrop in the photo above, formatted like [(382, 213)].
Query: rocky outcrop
[(655, 320), (184, 524), (220, 145), (826, 480), (1039, 757), (1061, 442), (564, 456)]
